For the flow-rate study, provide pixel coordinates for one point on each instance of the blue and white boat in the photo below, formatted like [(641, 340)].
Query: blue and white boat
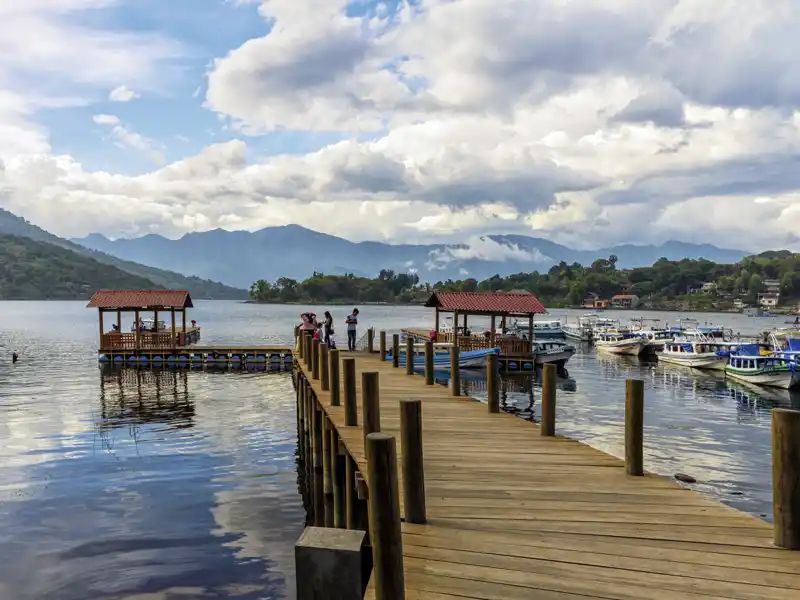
[(750, 365), (472, 359)]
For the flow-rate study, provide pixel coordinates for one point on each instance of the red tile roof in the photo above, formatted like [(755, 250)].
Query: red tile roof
[(141, 299), (489, 302)]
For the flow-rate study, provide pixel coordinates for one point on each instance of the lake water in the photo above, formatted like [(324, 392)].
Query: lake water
[(174, 484)]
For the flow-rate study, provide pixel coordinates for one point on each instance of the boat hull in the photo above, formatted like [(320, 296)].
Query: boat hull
[(780, 378), (557, 358), (581, 336), (710, 362), (474, 359), (631, 349)]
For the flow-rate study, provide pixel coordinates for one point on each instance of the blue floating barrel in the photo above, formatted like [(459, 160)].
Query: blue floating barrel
[(119, 359), (274, 357), (527, 366), (513, 365), (287, 357), (172, 358), (157, 358), (250, 358), (144, 358), (103, 358)]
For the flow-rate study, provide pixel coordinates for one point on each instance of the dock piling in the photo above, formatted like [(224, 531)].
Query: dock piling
[(455, 373), (327, 456), (492, 383), (333, 374), (324, 373), (382, 344), (384, 517), (412, 462), (429, 362), (395, 350), (349, 386), (370, 403), (329, 564), (786, 477), (371, 340), (315, 358), (339, 462), (634, 427), (547, 426), (298, 334), (307, 340), (350, 497), (409, 355)]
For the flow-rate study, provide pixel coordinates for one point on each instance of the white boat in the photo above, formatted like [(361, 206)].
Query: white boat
[(580, 330), (540, 329), (697, 351), (148, 324), (472, 359), (619, 342), (554, 352), (750, 366), (655, 335)]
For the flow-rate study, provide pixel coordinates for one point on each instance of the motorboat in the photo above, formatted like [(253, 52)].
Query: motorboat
[(580, 331), (620, 342), (698, 352), (540, 329), (552, 351), (750, 365), (149, 324), (471, 359), (655, 335)]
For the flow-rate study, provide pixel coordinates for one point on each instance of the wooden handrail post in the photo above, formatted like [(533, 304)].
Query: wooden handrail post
[(429, 362), (338, 474), (370, 403), (492, 383), (327, 456), (455, 373), (382, 344), (786, 477), (324, 365), (548, 422), (634, 427), (409, 355), (384, 517), (395, 350), (306, 348), (413, 469), (350, 497), (315, 358), (349, 387), (298, 334), (371, 340), (333, 374)]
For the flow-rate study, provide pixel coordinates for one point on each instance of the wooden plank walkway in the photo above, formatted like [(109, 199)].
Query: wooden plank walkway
[(513, 515)]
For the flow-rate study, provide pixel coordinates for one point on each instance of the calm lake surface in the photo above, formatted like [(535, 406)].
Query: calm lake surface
[(174, 484)]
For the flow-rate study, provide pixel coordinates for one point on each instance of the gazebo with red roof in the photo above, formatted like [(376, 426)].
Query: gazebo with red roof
[(492, 304), (138, 301)]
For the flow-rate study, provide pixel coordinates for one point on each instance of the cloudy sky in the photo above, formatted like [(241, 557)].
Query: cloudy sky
[(588, 122)]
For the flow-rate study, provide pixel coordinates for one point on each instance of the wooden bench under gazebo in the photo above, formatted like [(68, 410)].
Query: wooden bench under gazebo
[(139, 302)]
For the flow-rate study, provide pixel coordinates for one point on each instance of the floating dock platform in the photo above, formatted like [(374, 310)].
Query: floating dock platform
[(509, 512), (199, 355)]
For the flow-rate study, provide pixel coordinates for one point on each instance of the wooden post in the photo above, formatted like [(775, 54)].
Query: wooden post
[(349, 386), (371, 340), (429, 362), (315, 358), (455, 373), (174, 340), (370, 403), (492, 333), (136, 329), (634, 426), (395, 350), (316, 431), (384, 517), (339, 462), (436, 321), (548, 422), (327, 456), (102, 329), (333, 368), (786, 477), (410, 355), (317, 472), (309, 348), (350, 498), (455, 328), (413, 469), (183, 320), (324, 365), (492, 383), (382, 345)]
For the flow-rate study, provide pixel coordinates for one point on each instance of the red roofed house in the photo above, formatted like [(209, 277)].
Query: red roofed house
[(491, 304), (625, 301), (144, 333)]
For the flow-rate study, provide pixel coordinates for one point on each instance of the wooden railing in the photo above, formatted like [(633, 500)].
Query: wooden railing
[(147, 339), (509, 346)]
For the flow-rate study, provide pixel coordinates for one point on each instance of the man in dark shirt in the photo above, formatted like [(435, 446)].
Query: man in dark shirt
[(352, 323)]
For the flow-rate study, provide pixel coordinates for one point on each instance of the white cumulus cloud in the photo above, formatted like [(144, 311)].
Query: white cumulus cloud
[(122, 94)]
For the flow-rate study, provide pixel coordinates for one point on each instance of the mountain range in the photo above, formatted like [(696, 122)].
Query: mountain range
[(91, 259), (238, 258)]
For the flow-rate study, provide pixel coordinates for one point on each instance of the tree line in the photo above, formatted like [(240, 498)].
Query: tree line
[(660, 285)]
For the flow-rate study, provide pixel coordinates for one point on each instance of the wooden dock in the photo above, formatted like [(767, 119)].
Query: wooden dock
[(197, 355), (513, 515)]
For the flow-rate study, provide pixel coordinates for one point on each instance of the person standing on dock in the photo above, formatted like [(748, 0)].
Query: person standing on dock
[(328, 328), (352, 324)]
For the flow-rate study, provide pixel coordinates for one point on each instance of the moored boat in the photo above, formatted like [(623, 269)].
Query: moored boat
[(697, 353), (580, 330), (554, 352), (472, 359), (540, 329), (619, 342), (750, 366)]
